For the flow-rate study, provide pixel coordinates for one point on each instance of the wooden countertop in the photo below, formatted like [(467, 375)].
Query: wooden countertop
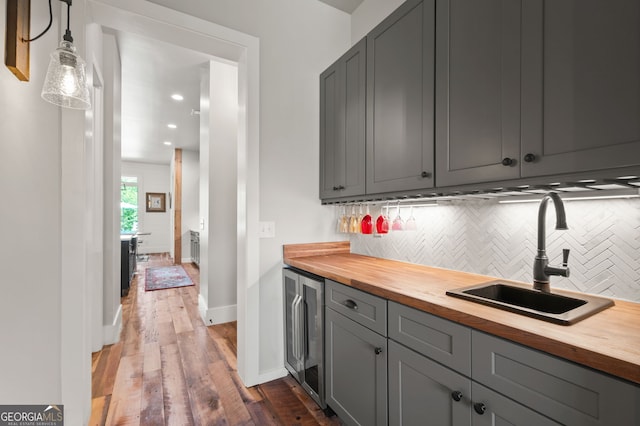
[(608, 341)]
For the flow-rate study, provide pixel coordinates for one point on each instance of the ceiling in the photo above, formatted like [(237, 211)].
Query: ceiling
[(151, 72)]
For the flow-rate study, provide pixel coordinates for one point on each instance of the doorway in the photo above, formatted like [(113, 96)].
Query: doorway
[(152, 21)]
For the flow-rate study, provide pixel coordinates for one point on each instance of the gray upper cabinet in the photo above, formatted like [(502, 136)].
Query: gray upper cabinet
[(478, 58), (342, 125), (400, 75), (581, 85)]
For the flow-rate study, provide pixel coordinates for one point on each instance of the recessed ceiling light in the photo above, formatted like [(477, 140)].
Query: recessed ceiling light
[(177, 97), (167, 143), (172, 126)]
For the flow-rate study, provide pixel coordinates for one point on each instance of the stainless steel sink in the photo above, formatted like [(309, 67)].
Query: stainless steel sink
[(558, 307)]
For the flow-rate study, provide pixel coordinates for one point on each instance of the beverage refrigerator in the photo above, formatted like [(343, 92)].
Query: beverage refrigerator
[(304, 330)]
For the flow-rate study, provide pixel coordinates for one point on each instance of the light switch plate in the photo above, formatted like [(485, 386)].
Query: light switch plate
[(267, 230)]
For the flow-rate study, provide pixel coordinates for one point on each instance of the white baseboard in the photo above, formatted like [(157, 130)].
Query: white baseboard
[(217, 315), (185, 260), (111, 333), (268, 376)]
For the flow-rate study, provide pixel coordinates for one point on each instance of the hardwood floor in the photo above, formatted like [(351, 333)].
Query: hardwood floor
[(170, 369)]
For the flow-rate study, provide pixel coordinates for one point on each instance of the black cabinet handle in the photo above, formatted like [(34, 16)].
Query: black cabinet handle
[(507, 161), (378, 351), (338, 188), (480, 408), (456, 395), (351, 304), (529, 158), (425, 174)]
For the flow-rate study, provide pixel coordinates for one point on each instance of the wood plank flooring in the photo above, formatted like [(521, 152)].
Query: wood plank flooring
[(170, 369)]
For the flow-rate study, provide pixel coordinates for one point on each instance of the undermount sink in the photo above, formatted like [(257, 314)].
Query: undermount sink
[(557, 307)]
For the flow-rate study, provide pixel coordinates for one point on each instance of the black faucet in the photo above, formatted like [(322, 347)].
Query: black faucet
[(541, 268)]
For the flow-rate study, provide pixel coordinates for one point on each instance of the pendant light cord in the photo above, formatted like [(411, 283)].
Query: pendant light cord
[(67, 33), (46, 29)]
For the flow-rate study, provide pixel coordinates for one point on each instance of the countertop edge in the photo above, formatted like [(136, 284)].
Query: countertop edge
[(620, 368)]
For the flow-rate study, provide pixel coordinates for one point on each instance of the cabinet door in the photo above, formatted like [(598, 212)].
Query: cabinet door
[(477, 91), (342, 125), (421, 389), (581, 85), (356, 363), (561, 390), (400, 62), (492, 409)]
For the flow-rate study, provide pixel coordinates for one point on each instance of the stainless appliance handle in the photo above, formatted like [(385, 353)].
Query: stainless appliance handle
[(296, 327), (305, 315)]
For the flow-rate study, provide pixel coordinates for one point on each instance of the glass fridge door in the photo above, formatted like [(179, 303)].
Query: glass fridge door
[(313, 380), (293, 328)]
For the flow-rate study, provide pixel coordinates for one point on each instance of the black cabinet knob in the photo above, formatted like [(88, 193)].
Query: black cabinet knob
[(480, 408), (425, 174), (529, 158), (456, 395), (378, 351), (507, 161)]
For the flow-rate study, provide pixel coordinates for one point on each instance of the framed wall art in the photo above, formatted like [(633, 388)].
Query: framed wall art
[(156, 202)]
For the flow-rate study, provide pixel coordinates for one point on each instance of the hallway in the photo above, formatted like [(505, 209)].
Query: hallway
[(170, 369)]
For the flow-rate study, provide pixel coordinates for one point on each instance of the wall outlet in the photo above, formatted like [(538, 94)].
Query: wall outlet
[(267, 230)]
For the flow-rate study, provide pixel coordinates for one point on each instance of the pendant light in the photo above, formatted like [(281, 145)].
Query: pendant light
[(65, 83)]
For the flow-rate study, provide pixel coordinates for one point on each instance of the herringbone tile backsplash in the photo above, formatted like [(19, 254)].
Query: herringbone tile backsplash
[(501, 239)]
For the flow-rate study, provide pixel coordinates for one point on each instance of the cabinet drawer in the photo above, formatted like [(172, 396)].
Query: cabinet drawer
[(364, 308), (439, 339), (559, 389)]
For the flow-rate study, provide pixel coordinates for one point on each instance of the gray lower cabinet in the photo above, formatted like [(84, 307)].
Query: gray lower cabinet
[(420, 391), (342, 125), (506, 384), (356, 371), (561, 390), (400, 70), (195, 247), (478, 55), (580, 85), (494, 409)]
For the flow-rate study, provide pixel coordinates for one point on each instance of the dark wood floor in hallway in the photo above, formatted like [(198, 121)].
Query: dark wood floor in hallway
[(170, 369)]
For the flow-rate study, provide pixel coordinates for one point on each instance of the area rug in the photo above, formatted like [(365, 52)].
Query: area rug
[(161, 277)]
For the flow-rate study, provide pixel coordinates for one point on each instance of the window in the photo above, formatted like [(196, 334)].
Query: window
[(129, 205)]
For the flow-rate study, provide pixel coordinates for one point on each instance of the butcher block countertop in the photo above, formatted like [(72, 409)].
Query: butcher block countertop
[(608, 341)]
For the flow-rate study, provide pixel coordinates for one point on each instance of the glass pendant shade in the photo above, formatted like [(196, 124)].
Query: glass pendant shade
[(65, 83)]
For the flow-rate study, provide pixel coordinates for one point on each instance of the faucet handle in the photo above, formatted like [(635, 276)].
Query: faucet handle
[(565, 257)]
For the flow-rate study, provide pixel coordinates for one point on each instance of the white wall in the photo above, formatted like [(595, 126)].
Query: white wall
[(30, 310), (190, 199), (151, 178), (369, 14), (218, 205), (45, 357), (112, 313)]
